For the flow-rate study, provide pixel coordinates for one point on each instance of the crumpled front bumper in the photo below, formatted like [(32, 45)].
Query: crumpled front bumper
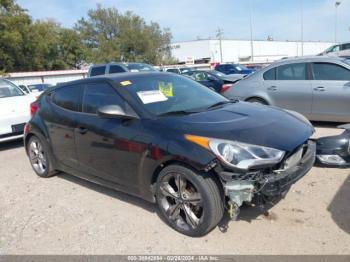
[(277, 184)]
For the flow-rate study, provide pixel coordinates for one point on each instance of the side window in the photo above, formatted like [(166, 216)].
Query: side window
[(97, 95), (327, 71), (335, 48), (115, 69), (345, 46), (98, 70), (291, 72), (270, 75), (68, 97)]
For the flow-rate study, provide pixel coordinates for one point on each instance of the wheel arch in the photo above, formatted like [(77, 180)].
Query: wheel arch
[(264, 99), (186, 164)]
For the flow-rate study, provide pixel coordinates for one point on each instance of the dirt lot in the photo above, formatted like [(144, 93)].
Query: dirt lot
[(65, 215)]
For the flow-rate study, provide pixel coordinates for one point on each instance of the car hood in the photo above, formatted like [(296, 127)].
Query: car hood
[(233, 77), (248, 123)]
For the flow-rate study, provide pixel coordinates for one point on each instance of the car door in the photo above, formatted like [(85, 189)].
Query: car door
[(331, 92), (61, 122), (287, 86), (107, 147)]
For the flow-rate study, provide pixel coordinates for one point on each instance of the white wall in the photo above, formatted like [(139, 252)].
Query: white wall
[(238, 50), (50, 79)]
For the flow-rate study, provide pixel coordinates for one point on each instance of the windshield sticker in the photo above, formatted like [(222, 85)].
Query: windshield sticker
[(125, 83), (153, 96), (166, 88)]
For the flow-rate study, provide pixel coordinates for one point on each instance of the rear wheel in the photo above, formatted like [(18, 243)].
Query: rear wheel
[(189, 201), (39, 157), (257, 101)]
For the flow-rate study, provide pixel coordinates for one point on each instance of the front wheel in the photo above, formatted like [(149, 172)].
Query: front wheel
[(189, 201)]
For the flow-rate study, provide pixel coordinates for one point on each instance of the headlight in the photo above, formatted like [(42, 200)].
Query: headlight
[(239, 155)]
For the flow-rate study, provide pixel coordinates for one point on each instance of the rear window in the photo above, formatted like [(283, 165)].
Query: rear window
[(68, 97), (270, 75), (98, 70)]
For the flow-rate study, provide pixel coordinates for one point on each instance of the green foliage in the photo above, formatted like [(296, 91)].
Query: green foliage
[(113, 36), (104, 36)]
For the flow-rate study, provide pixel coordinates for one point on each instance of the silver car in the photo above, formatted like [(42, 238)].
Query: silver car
[(317, 87)]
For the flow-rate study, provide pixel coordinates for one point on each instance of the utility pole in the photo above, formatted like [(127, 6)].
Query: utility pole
[(219, 34), (337, 4), (251, 31), (302, 26)]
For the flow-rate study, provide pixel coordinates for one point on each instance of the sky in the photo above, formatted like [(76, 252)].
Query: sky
[(192, 19)]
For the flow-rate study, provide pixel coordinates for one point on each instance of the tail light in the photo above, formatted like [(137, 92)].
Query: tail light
[(224, 88), (33, 108)]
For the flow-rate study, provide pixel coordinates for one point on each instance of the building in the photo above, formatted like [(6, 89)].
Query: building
[(47, 77), (210, 51)]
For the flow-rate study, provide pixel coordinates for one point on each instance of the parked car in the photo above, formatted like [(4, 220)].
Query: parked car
[(317, 87), (338, 50), (115, 68), (171, 141), (178, 70), (39, 87), (229, 69), (213, 79), (14, 110), (334, 151)]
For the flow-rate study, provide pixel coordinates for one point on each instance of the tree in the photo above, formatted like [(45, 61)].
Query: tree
[(41, 45), (112, 36), (14, 23)]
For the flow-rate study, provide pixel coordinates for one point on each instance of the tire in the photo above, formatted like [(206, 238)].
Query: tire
[(257, 101), (40, 157), (190, 202)]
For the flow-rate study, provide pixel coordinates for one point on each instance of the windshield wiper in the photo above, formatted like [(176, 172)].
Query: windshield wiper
[(221, 103), (179, 112)]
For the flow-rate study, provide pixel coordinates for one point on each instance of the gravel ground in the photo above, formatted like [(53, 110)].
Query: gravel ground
[(66, 215)]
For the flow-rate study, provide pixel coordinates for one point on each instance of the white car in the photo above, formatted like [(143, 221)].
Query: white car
[(14, 110), (342, 50)]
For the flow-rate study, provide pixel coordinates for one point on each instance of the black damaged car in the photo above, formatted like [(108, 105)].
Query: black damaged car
[(169, 140)]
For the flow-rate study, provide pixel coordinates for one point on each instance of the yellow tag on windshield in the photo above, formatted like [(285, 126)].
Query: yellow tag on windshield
[(125, 83), (166, 88)]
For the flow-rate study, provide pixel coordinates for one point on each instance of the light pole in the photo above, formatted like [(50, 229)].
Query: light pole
[(251, 31), (219, 34), (302, 26), (337, 4)]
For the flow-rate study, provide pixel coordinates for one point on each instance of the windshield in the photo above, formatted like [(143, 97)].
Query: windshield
[(7, 89), (163, 94), (241, 68), (140, 67)]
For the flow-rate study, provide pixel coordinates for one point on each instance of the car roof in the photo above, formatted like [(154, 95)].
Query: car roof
[(118, 77), (118, 63)]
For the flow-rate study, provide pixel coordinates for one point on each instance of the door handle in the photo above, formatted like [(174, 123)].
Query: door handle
[(82, 130), (320, 89), (272, 88)]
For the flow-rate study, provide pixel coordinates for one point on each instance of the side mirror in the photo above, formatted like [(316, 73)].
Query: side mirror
[(113, 111)]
